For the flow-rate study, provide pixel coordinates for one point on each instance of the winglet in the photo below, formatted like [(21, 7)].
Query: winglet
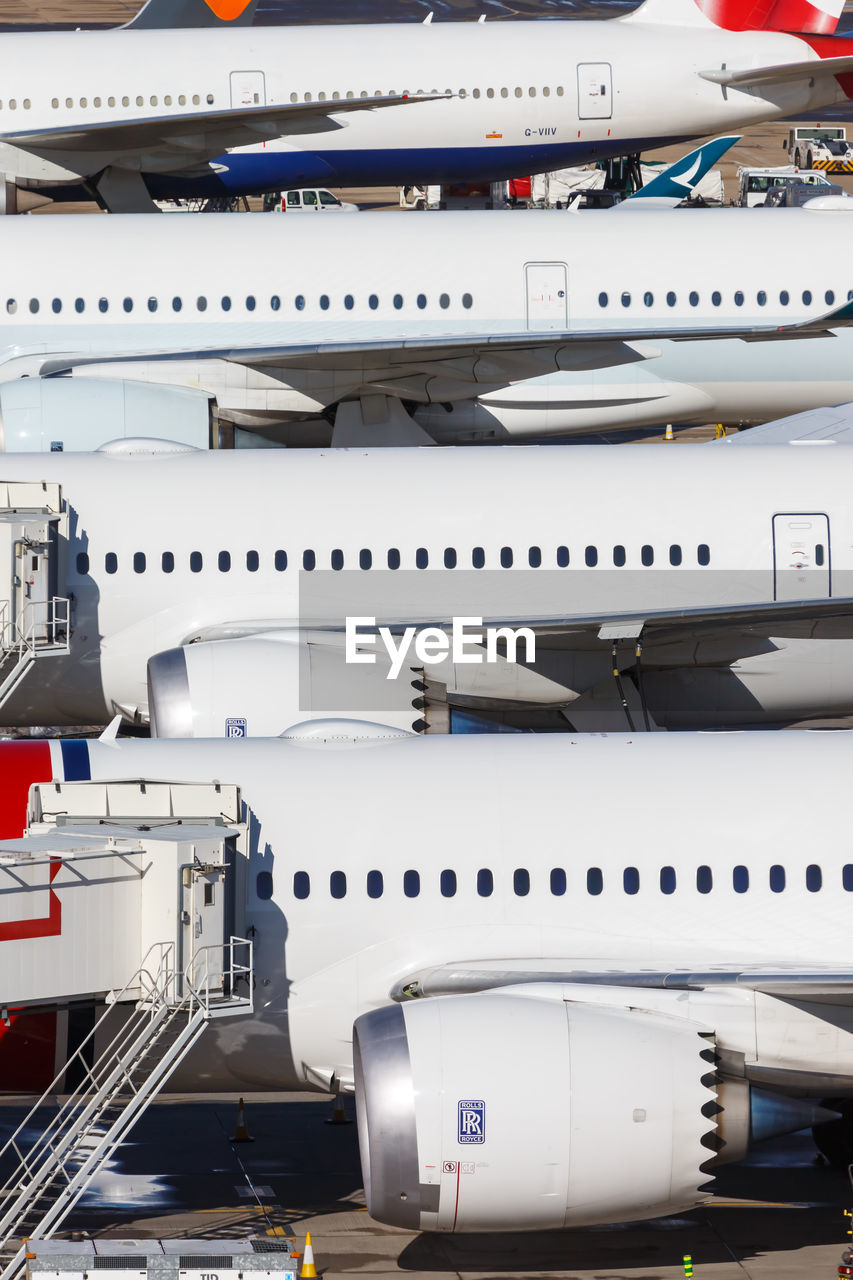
[(679, 180), (111, 732), (164, 15)]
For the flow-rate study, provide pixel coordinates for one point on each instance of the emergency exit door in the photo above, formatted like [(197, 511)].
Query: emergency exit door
[(248, 89), (595, 91), (801, 569), (547, 295)]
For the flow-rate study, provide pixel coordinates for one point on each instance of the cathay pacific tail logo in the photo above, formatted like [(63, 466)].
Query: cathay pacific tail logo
[(228, 10)]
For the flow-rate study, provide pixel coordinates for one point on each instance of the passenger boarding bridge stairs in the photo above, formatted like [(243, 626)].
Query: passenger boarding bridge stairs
[(34, 618), (149, 1025)]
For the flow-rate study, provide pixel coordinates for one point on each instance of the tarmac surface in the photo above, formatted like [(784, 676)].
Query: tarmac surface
[(778, 1216)]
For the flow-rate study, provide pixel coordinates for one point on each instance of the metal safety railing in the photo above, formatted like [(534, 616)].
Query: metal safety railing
[(172, 1009), (42, 628)]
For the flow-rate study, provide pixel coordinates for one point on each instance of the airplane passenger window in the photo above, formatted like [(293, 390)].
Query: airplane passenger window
[(263, 885), (671, 299), (761, 298), (740, 879), (807, 297), (11, 306), (693, 298), (814, 878), (519, 91), (337, 559), (626, 299), (128, 304), (324, 302), (444, 301), (784, 298), (521, 882), (478, 557), (111, 562), (338, 884), (850, 295), (421, 557), (675, 554), (176, 304), (251, 304), (534, 557), (738, 298), (485, 882), (111, 102), (647, 555), (79, 306), (411, 883), (54, 103), (349, 302), (34, 306), (140, 101), (280, 561), (546, 92), (602, 299), (398, 301), (309, 560), (829, 297), (847, 877), (818, 555), (704, 879), (298, 302), (777, 878), (619, 556), (152, 304), (252, 561), (210, 99), (103, 305), (562, 557), (196, 100), (225, 562), (82, 563), (703, 553), (716, 298), (594, 881), (167, 101), (153, 100), (532, 92), (667, 880), (447, 881), (196, 562), (422, 301), (631, 880), (450, 557), (56, 306), (490, 93), (139, 562), (467, 301), (226, 303), (365, 558), (275, 303), (301, 884), (648, 299), (374, 884), (125, 102), (393, 558), (558, 882), (506, 557), (167, 562), (201, 303), (591, 557), (504, 93), (560, 91)]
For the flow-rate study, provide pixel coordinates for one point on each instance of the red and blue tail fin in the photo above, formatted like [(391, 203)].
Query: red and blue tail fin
[(163, 15), (796, 16)]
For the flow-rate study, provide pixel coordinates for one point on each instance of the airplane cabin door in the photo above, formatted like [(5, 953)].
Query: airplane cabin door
[(595, 91), (801, 568), (248, 89), (547, 295)]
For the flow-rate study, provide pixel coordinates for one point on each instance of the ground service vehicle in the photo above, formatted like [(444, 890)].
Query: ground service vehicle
[(307, 200), (753, 184), (820, 147)]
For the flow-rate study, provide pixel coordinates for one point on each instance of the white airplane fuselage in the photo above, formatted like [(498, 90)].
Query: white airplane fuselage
[(599, 89), (165, 550)]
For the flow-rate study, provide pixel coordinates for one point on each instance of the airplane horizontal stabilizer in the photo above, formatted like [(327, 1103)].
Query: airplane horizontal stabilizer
[(827, 426), (812, 69)]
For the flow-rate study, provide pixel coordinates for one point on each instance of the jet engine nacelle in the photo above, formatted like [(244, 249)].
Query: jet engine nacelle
[(262, 685), (52, 415), (498, 1111)]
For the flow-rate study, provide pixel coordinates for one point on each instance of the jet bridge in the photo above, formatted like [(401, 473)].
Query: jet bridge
[(123, 893), (34, 614)]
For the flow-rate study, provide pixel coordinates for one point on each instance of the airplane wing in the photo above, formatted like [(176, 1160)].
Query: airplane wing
[(186, 140), (827, 426), (508, 354), (752, 77)]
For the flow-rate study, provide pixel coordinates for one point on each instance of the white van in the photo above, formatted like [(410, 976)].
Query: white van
[(307, 200), (753, 184)]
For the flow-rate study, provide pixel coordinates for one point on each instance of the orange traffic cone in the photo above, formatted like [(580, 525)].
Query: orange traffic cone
[(308, 1269), (241, 1129), (339, 1115)]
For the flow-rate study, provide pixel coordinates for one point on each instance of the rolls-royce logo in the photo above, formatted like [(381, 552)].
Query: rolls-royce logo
[(227, 10)]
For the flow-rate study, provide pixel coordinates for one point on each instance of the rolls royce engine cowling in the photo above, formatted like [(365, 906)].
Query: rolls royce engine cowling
[(500, 1111)]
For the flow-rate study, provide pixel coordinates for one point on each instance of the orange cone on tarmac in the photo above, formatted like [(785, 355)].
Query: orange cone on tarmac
[(241, 1129), (308, 1269)]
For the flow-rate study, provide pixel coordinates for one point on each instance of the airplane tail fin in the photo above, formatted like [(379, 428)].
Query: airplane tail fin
[(680, 180), (163, 15), (794, 16)]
